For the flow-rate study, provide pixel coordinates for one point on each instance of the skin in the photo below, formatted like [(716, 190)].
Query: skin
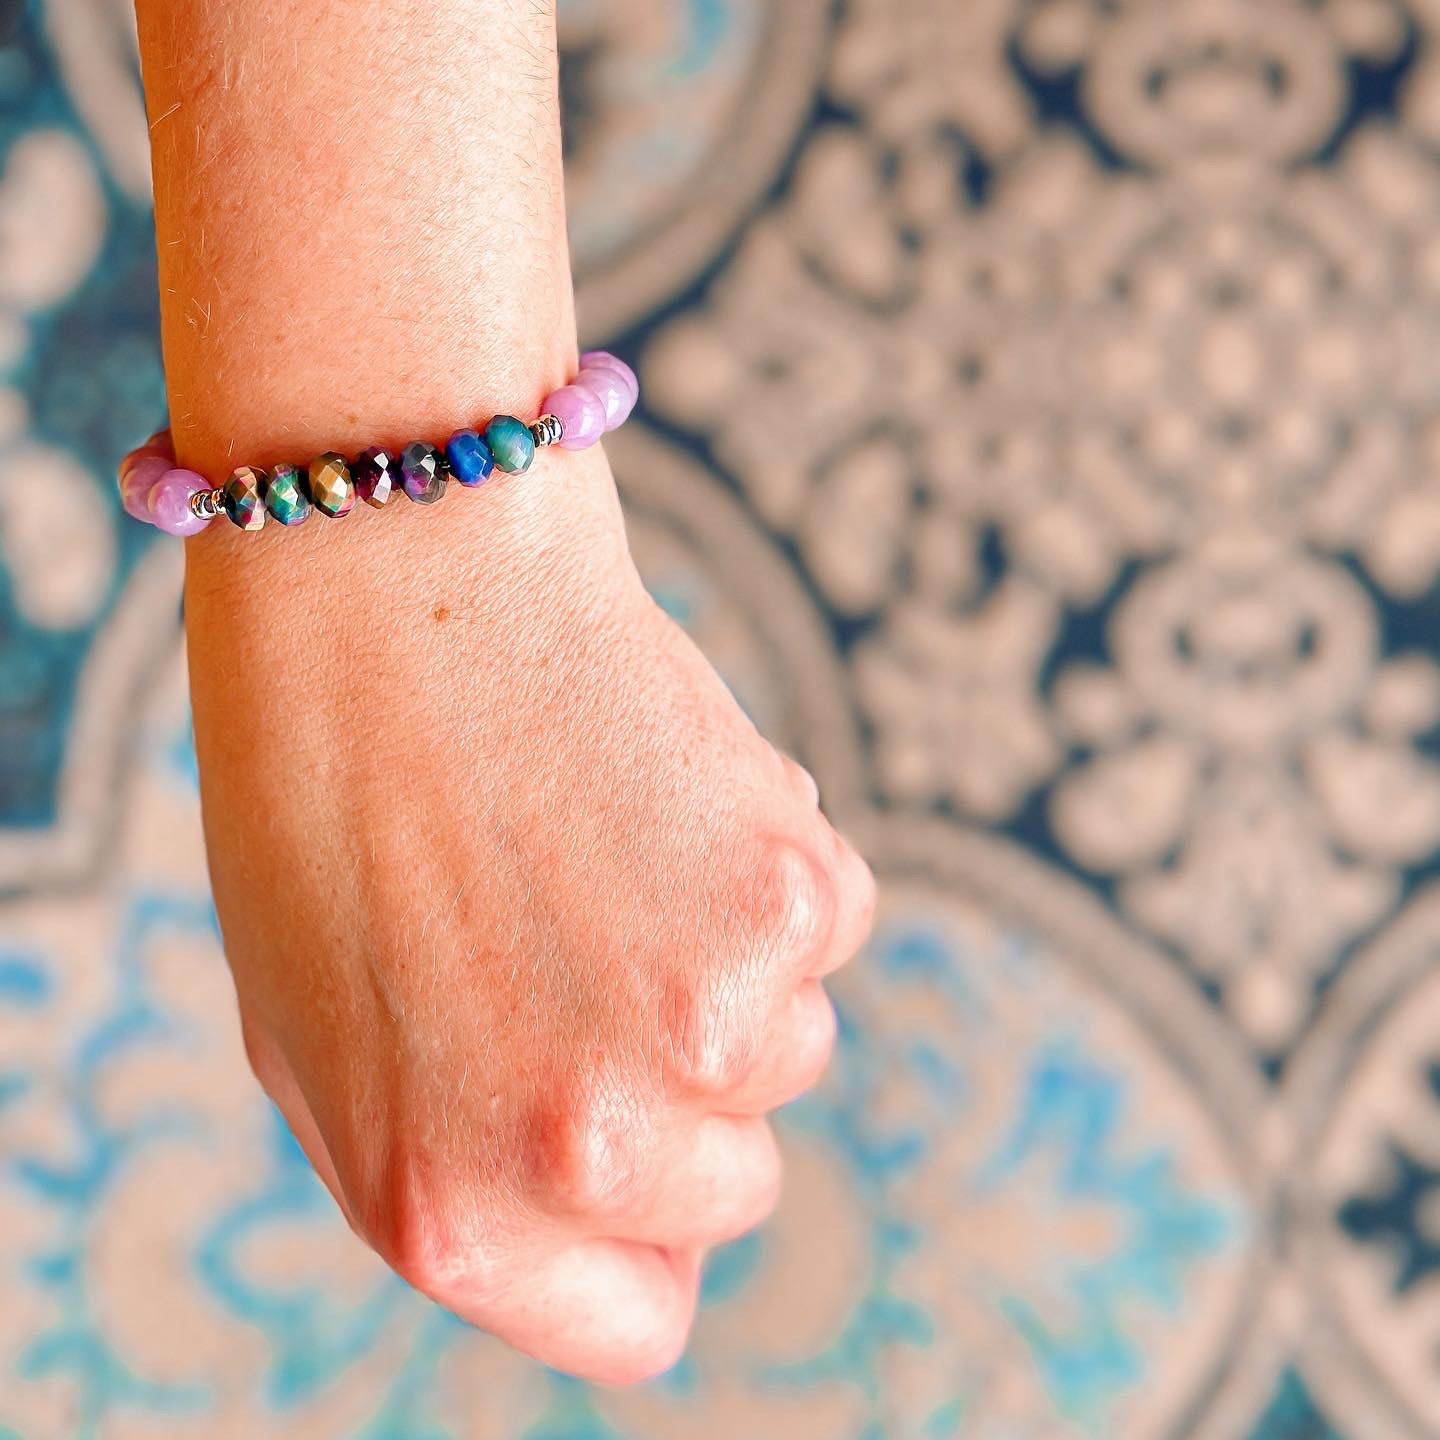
[(527, 922)]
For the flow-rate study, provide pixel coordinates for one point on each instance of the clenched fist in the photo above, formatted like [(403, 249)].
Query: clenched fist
[(527, 922)]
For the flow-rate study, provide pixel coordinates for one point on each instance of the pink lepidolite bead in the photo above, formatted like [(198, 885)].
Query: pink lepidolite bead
[(137, 479), (604, 360), (170, 502), (580, 411), (609, 390), (613, 381)]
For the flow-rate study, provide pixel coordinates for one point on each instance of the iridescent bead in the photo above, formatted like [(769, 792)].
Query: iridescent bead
[(137, 478), (170, 502), (376, 475), (330, 485), (581, 413), (422, 472), (614, 382), (468, 457), (511, 443), (243, 498), (285, 497)]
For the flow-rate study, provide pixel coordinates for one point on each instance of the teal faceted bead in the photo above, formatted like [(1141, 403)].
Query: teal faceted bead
[(285, 496), (511, 443)]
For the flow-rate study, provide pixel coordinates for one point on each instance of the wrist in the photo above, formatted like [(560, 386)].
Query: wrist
[(182, 502), (479, 550)]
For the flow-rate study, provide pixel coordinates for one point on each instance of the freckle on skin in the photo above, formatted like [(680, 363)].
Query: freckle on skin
[(442, 612)]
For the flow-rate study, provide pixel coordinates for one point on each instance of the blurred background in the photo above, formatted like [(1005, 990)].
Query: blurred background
[(1041, 432)]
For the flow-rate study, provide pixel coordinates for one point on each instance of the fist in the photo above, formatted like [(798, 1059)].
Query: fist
[(528, 924)]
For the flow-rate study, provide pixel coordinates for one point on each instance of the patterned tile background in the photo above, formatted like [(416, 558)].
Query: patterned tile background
[(1097, 580)]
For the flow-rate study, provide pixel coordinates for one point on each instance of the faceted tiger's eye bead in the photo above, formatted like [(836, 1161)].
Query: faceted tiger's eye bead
[(469, 457), (285, 496), (511, 443), (330, 485), (422, 472), (243, 500), (377, 476)]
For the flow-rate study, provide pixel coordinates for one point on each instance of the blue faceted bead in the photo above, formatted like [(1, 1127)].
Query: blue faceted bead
[(469, 456)]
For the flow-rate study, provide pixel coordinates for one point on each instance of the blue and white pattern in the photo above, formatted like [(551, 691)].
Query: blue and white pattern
[(1097, 583)]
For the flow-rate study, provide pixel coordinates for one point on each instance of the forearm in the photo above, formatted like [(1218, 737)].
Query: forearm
[(360, 220), (361, 237)]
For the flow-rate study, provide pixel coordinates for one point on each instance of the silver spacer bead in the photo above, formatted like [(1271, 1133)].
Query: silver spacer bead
[(547, 430), (206, 503)]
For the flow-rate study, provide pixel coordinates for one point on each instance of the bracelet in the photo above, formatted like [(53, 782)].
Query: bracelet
[(180, 502)]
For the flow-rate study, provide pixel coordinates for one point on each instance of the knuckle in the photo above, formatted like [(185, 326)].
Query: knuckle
[(819, 1047), (868, 896), (818, 1029), (643, 1360), (766, 1203), (404, 1237), (801, 781), (750, 1193), (769, 1176), (711, 1033), (265, 1057), (588, 1152), (408, 1224), (786, 908), (858, 899), (256, 1051)]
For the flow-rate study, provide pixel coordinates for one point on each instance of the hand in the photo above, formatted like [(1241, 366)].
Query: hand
[(527, 922)]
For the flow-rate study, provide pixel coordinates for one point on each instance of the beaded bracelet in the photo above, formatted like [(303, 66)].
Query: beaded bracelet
[(180, 502)]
